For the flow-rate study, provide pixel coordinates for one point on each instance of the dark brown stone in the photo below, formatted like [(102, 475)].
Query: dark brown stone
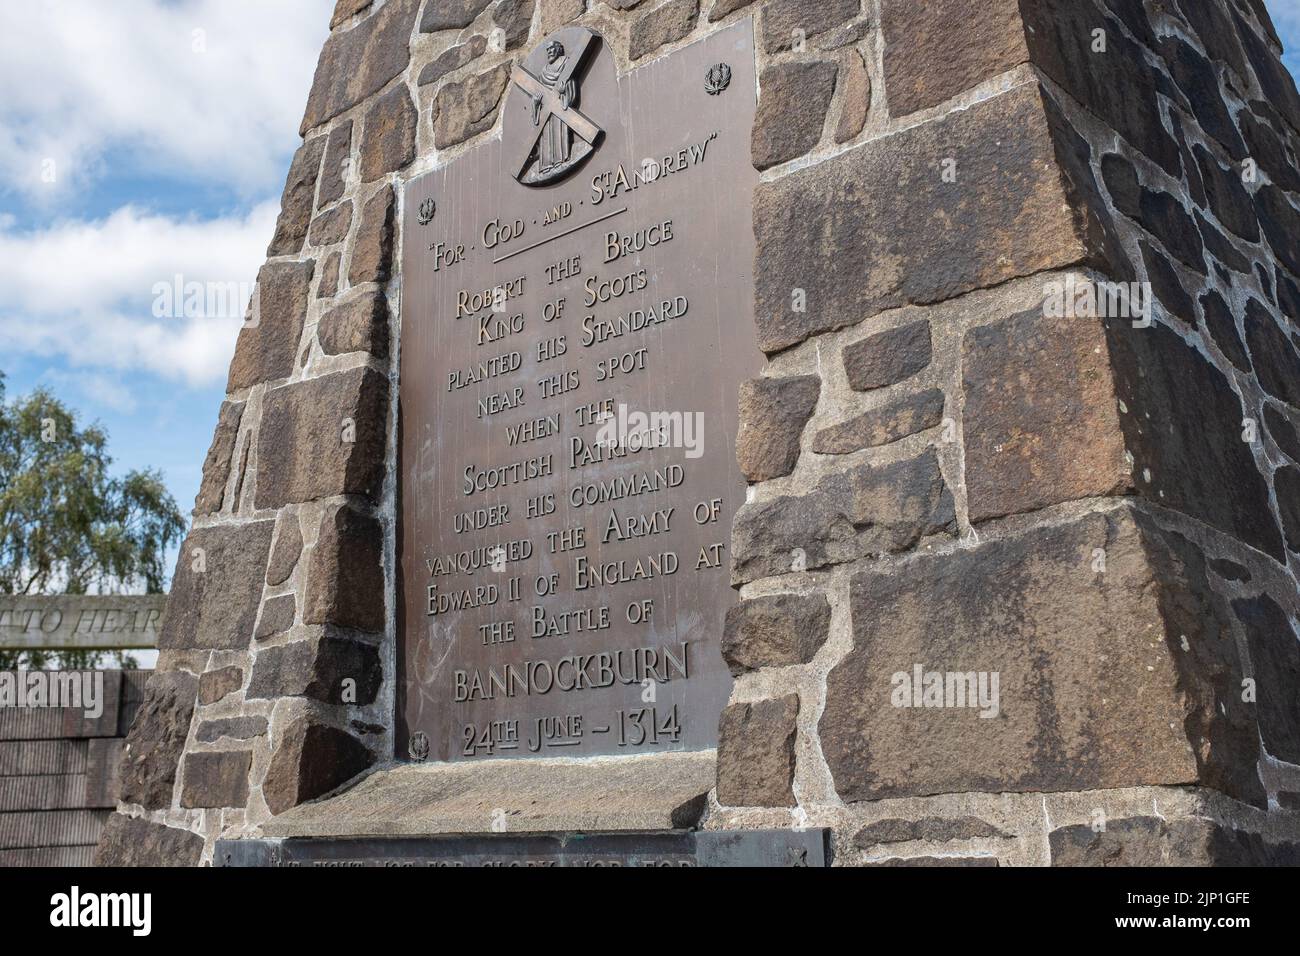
[(929, 59), (667, 23), (468, 106), (775, 631), (130, 841), (1220, 247), (216, 467), (1164, 217), (832, 229), (1283, 432), (359, 62), (1228, 196), (331, 227), (1198, 81), (156, 740), (773, 413), (782, 18), (1081, 703), (1260, 129), (452, 59), (234, 728), (1281, 224), (217, 587), (318, 669), (856, 101), (338, 161), (1275, 659), (345, 575), (722, 8), (277, 616), (268, 347), (514, 18), (372, 249), (218, 684), (756, 753), (216, 779), (932, 861), (556, 13), (311, 759), (328, 286), (1216, 32), (935, 829), (1286, 482), (451, 14), (1276, 363), (791, 111), (296, 202), (345, 10), (323, 437), (869, 510), (887, 358), (881, 426), (286, 551), (1230, 570), (388, 137), (1222, 326), (1154, 842), (1277, 83), (1175, 399), (1167, 286), (1118, 85), (1041, 421), (359, 324)]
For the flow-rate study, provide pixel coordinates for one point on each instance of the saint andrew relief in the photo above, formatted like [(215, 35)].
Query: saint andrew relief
[(550, 78)]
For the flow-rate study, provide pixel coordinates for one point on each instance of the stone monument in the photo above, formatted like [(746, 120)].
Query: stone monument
[(794, 432)]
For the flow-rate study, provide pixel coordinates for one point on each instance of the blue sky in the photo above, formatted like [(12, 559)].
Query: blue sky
[(141, 140)]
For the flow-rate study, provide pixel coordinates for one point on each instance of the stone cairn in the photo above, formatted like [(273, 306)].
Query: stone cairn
[(1028, 279)]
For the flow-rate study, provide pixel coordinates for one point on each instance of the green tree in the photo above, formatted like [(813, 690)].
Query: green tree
[(66, 524)]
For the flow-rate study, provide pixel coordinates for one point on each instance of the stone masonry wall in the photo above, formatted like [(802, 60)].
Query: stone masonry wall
[(943, 473)]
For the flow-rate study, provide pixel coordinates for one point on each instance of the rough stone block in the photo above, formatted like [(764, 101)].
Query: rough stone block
[(388, 137), (317, 669), (937, 49), (358, 324), (311, 759), (891, 422), (334, 169), (666, 23), (345, 576), (868, 510), (372, 248), (453, 59), (792, 105), (1121, 677), (218, 684), (1275, 659), (1153, 841), (296, 202), (1041, 421), (323, 437), (358, 62), (130, 841), (216, 467), (773, 413), (775, 631), (156, 740), (331, 227), (217, 587), (277, 616), (856, 101), (887, 358), (451, 14), (468, 107), (267, 349), (786, 22), (756, 753), (216, 779), (832, 229)]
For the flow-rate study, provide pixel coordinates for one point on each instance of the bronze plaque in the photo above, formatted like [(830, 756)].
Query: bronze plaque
[(577, 317)]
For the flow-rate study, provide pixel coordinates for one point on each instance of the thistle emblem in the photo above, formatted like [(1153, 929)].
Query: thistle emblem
[(717, 79), (427, 209), (419, 745)]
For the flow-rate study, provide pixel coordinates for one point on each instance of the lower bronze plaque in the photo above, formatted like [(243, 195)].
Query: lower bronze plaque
[(577, 319)]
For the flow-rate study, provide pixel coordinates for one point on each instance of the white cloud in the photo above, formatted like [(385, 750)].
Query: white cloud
[(84, 291), (212, 89)]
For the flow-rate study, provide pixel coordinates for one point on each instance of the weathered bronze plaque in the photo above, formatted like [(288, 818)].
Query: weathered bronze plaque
[(577, 318)]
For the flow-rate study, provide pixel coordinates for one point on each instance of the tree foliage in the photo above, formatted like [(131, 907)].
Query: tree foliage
[(66, 524)]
